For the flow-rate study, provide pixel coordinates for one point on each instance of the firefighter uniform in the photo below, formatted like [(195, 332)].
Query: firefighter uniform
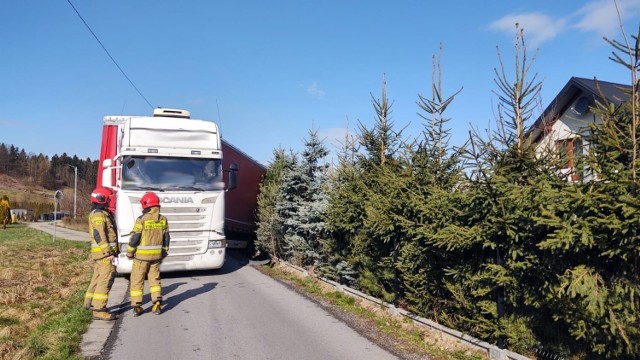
[(147, 247), (103, 245)]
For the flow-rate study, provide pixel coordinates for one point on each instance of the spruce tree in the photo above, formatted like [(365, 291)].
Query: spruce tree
[(344, 214), (431, 190), (498, 283), (596, 233), (376, 245), (312, 210), (302, 204), (268, 235)]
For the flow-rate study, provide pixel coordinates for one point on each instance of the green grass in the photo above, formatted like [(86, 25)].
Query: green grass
[(42, 285)]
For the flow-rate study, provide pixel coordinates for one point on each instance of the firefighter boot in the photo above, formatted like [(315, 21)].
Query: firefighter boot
[(103, 315), (137, 311), (157, 308)]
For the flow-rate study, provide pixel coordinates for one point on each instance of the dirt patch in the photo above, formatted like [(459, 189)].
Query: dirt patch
[(7, 181)]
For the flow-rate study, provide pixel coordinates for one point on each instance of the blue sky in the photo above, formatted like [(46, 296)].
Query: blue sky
[(269, 71)]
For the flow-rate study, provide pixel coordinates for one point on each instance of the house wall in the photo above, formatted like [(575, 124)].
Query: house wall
[(569, 125), (17, 214)]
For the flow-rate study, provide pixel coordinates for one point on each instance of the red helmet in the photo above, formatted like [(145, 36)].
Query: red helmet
[(149, 199), (101, 196)]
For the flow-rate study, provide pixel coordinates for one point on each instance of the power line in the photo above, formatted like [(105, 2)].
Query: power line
[(107, 51)]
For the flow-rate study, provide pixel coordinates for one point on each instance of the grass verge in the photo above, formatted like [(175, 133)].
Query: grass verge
[(42, 285), (401, 336)]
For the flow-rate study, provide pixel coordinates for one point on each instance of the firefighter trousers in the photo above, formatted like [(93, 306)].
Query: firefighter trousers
[(97, 293), (140, 270)]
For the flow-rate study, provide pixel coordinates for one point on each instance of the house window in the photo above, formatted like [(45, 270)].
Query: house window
[(569, 152)]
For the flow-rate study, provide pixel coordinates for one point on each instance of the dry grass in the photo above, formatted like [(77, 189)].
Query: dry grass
[(18, 192), (79, 224), (40, 282)]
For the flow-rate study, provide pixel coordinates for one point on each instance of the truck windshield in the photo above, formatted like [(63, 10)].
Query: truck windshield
[(171, 173)]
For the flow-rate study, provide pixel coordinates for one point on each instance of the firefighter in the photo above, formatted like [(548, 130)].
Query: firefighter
[(104, 249), (149, 244)]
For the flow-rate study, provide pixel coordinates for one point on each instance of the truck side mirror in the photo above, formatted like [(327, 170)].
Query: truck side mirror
[(233, 176), (107, 171)]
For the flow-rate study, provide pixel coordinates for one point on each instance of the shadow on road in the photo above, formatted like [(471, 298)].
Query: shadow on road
[(232, 263), (171, 302)]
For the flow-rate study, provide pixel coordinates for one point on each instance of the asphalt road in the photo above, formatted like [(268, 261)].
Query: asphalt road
[(235, 313), (232, 313), (59, 231)]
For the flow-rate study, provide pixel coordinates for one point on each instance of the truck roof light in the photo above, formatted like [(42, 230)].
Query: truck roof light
[(153, 151), (195, 152), (171, 113)]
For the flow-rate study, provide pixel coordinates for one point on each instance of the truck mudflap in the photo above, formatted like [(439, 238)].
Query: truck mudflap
[(210, 260)]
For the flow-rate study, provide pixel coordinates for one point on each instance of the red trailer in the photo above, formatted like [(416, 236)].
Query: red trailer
[(242, 202)]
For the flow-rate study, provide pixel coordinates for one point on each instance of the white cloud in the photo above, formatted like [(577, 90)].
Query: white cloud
[(537, 27), (601, 16), (315, 90)]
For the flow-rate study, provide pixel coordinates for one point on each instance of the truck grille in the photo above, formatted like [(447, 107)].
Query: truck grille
[(182, 210), (186, 226), (185, 217), (182, 250), (190, 225), (186, 234), (180, 258)]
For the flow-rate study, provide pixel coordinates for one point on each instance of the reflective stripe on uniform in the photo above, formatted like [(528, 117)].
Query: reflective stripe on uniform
[(155, 289), (100, 296), (88, 295), (95, 246), (149, 250), (135, 293)]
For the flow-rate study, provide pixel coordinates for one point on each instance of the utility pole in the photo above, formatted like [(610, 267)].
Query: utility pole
[(57, 197), (75, 189)]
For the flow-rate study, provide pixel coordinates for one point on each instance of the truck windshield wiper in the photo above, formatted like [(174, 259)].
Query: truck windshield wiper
[(195, 188), (144, 188), (185, 188)]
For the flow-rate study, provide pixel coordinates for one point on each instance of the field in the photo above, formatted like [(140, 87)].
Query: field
[(41, 288), (18, 192)]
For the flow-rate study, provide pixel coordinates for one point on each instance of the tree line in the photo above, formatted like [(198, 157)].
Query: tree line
[(55, 173), (488, 238), (40, 170)]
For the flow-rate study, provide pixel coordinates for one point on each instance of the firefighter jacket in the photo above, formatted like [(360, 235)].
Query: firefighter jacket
[(149, 237), (104, 238)]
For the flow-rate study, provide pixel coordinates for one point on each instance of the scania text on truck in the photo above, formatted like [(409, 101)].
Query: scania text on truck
[(181, 160)]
